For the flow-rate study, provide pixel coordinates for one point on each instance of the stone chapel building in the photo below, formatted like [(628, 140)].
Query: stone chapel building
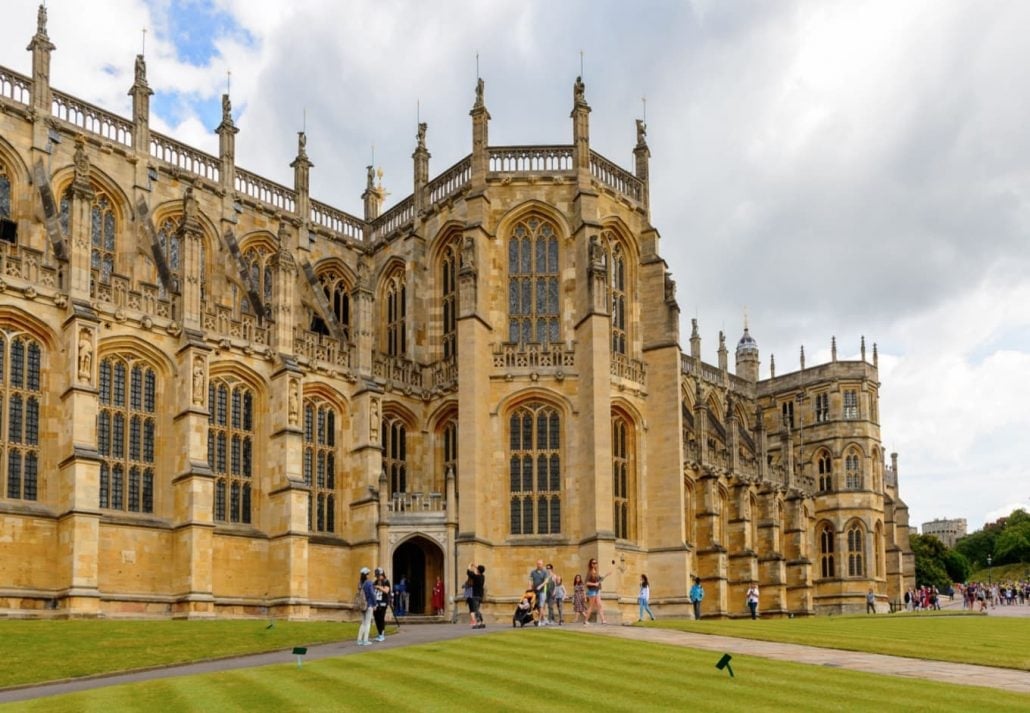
[(221, 397)]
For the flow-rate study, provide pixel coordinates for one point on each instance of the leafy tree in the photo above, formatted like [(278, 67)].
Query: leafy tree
[(1013, 544), (930, 568), (957, 566), (977, 546)]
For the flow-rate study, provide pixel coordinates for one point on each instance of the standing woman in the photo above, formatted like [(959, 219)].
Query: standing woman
[(369, 592), (559, 598), (752, 600), (593, 585), (438, 599), (382, 589), (579, 597), (644, 598)]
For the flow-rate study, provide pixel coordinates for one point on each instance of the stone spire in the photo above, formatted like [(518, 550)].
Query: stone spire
[(723, 358), (40, 46), (695, 340), (480, 136), (802, 356), (227, 145), (642, 156), (580, 130), (302, 166), (863, 347), (421, 158), (833, 348), (140, 92), (374, 194)]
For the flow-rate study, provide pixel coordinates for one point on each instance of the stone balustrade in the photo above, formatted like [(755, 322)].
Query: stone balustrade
[(184, 158), (511, 355), (91, 119)]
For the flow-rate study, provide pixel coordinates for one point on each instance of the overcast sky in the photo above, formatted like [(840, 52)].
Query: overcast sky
[(832, 168)]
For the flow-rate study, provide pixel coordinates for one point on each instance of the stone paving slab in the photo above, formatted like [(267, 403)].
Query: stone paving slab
[(944, 671)]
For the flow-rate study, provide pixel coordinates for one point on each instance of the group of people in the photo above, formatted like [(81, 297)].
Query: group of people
[(981, 595), (923, 599), (547, 594), (376, 593)]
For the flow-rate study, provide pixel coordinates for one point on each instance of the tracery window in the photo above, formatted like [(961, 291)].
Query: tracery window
[(20, 397), (337, 295), (535, 469), (822, 408), (825, 464), (852, 472), (126, 426), (850, 404), (102, 232), (856, 551), (617, 266), (170, 241), (533, 312), (258, 260), (320, 464), (8, 229), (449, 299), (395, 453), (787, 410), (622, 478), (826, 551), (395, 293), (230, 448)]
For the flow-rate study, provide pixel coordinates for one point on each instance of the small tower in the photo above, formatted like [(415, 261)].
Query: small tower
[(747, 357)]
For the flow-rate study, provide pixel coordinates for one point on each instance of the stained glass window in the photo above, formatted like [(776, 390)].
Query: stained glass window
[(20, 400), (856, 551), (126, 434), (826, 537), (617, 265), (622, 480), (320, 464), (396, 315), (448, 299), (395, 453), (230, 442), (337, 295), (535, 470), (533, 311), (102, 239)]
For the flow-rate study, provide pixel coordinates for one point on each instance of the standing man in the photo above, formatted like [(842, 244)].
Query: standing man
[(382, 587), (538, 579), (478, 579), (697, 593), (870, 602)]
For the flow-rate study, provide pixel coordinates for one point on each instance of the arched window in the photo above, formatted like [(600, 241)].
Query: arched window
[(533, 312), (320, 464), (449, 299), (395, 317), (8, 228), (170, 240), (687, 434), (617, 280), (395, 453), (258, 260), (825, 472), (622, 478), (535, 469), (852, 471), (102, 231), (20, 398), (337, 295), (230, 448), (126, 427), (826, 538), (856, 551)]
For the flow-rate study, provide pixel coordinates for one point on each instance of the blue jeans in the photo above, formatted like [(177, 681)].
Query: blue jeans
[(645, 606)]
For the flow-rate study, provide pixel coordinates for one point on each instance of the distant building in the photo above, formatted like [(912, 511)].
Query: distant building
[(947, 531)]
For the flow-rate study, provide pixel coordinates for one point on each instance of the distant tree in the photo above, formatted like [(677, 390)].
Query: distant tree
[(930, 568), (978, 545), (1013, 544), (957, 566)]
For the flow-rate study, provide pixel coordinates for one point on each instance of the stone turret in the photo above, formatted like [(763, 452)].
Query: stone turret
[(480, 136), (642, 156), (747, 357)]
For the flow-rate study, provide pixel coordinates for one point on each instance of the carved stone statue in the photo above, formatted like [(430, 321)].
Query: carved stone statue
[(596, 252), (468, 252), (81, 161), (421, 135), (85, 355), (670, 288), (373, 420), (370, 180), (226, 109), (302, 143), (189, 206), (479, 92), (198, 382), (579, 92), (141, 71), (293, 403), (41, 19), (641, 132)]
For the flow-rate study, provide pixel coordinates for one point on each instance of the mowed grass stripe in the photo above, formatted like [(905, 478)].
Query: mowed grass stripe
[(518, 673), (962, 639)]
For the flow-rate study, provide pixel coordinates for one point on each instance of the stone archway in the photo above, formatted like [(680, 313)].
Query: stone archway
[(420, 560)]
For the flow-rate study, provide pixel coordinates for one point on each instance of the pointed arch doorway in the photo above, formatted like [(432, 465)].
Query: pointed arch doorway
[(420, 560)]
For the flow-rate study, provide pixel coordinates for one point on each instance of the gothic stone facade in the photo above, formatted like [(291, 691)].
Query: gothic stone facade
[(222, 398)]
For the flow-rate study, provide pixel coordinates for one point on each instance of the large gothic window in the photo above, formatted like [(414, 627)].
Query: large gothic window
[(856, 551), (852, 471), (533, 313), (259, 263), (395, 453), (230, 448), (535, 470), (337, 295), (7, 226), (825, 471), (395, 294), (20, 397), (826, 551), (450, 448), (822, 408), (126, 426), (320, 464), (622, 478), (102, 239), (850, 404), (617, 281), (449, 299)]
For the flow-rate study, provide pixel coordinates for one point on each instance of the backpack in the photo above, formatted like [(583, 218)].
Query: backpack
[(360, 602)]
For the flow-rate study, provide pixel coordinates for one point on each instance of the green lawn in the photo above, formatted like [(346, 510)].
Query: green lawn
[(36, 651), (530, 670), (991, 641), (1002, 573)]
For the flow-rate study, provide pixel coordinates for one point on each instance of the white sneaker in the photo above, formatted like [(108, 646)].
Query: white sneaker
[(380, 638)]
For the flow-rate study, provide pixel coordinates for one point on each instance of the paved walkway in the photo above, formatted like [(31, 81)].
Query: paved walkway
[(964, 674)]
